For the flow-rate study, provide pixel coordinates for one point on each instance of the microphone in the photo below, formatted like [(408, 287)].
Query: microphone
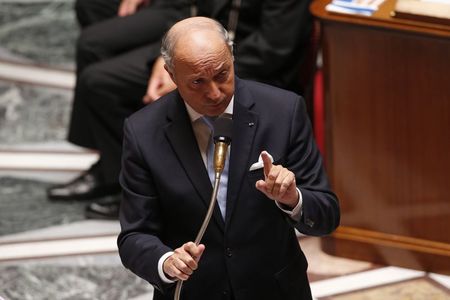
[(223, 126)]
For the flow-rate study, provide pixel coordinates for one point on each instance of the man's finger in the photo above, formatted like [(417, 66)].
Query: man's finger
[(267, 162), (286, 181), (182, 264), (170, 268), (194, 250), (261, 186)]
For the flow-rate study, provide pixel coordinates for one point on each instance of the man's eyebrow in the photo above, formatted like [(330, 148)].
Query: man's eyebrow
[(222, 67)]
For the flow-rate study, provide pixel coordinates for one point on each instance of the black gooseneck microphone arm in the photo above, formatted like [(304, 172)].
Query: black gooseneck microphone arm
[(222, 139)]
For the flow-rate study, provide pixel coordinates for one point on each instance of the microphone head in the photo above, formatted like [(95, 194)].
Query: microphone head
[(223, 127)]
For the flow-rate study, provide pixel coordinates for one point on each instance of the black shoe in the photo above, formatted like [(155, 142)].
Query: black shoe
[(105, 209), (87, 186)]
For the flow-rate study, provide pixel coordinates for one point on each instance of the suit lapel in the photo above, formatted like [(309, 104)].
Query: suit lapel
[(244, 129), (181, 136)]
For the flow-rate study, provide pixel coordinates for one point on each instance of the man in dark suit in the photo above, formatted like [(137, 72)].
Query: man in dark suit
[(113, 80), (250, 249)]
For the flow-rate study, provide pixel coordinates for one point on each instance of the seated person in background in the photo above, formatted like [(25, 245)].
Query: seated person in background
[(117, 39), (115, 54), (250, 249)]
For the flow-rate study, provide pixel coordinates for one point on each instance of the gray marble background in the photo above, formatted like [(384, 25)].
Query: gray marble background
[(100, 277), (39, 32), (42, 33), (33, 114), (24, 206)]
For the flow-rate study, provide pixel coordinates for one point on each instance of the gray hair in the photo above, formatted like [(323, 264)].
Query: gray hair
[(171, 38)]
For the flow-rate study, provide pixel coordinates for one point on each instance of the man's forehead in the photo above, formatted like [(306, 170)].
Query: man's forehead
[(200, 42), (209, 69), (203, 62)]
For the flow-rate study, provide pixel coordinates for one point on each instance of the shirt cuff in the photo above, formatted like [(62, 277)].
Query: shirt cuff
[(160, 268), (296, 212)]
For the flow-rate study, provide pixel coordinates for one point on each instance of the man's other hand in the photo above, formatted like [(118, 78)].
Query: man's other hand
[(184, 261), (159, 83), (129, 7)]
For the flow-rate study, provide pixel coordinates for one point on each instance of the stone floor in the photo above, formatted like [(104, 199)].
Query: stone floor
[(56, 279), (49, 250)]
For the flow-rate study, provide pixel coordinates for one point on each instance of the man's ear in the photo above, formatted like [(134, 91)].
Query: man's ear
[(170, 73)]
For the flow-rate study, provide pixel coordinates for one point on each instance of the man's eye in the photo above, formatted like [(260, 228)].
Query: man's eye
[(222, 75), (197, 81)]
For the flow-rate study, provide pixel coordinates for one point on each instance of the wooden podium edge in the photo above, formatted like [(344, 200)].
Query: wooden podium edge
[(391, 240), (420, 18), (388, 249), (383, 18)]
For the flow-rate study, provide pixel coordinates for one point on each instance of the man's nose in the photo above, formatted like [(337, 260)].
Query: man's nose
[(213, 92)]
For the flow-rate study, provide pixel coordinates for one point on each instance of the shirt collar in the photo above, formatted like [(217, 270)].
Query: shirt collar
[(193, 115)]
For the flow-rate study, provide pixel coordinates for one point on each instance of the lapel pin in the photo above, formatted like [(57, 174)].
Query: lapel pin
[(251, 124)]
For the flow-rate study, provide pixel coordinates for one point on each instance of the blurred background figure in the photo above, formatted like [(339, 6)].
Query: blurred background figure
[(117, 40)]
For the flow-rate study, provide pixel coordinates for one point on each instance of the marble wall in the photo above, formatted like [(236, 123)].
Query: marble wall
[(33, 114), (41, 32)]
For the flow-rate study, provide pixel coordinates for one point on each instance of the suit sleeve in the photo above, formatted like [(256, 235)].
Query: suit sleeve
[(140, 217), (283, 26), (320, 208)]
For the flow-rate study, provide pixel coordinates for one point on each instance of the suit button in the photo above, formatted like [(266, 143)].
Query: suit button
[(228, 252)]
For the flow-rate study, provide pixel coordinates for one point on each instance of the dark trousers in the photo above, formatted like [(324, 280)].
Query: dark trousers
[(113, 59)]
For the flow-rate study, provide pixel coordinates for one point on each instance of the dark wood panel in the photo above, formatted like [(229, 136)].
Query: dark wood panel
[(389, 117), (387, 93)]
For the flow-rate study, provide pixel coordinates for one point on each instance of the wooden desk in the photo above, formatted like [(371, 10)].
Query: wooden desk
[(387, 103)]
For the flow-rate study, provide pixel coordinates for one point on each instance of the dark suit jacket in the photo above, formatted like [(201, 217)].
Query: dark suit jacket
[(254, 252)]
